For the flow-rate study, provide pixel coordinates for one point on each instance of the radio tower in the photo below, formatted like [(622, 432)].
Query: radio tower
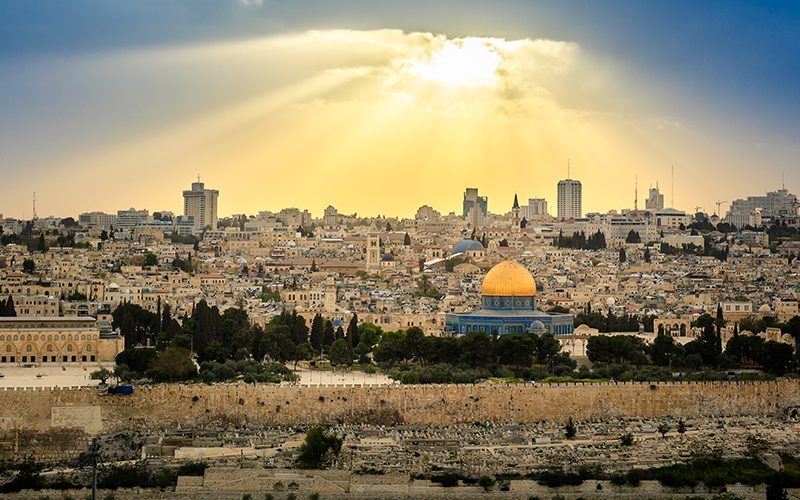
[(34, 206)]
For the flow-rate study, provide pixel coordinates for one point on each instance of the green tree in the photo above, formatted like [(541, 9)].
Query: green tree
[(622, 255), (486, 482), (102, 375), (317, 332), (318, 449), (340, 353), (352, 332), (173, 365), (681, 428), (633, 237), (663, 429), (570, 430), (8, 310), (647, 257), (150, 260), (28, 266)]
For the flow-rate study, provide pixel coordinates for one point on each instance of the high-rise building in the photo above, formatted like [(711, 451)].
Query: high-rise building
[(476, 208), (778, 204), (201, 203), (570, 205), (535, 207), (655, 200)]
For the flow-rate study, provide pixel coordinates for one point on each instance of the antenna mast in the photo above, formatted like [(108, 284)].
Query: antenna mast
[(636, 194), (567, 168), (34, 205), (673, 186)]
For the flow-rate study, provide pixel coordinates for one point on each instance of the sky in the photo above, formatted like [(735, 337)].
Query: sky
[(379, 107)]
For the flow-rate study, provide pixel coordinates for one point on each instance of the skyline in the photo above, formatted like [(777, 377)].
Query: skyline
[(383, 109)]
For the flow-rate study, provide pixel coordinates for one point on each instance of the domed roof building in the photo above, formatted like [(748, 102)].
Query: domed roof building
[(508, 305), (466, 245)]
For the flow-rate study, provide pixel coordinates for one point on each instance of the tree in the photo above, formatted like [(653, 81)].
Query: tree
[(150, 260), (622, 255), (102, 375), (681, 426), (328, 335), (647, 257), (406, 240), (633, 237), (352, 332), (317, 332), (663, 429), (340, 353), (318, 449), (775, 489), (626, 439), (8, 310), (42, 245), (486, 482), (173, 365), (503, 243), (570, 430), (28, 266)]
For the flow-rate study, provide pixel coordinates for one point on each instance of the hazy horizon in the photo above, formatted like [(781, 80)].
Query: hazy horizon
[(378, 108)]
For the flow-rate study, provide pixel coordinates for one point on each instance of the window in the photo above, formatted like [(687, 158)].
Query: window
[(29, 348)]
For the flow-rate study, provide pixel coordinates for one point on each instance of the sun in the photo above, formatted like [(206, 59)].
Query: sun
[(463, 62)]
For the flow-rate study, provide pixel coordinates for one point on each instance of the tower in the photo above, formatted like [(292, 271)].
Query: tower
[(201, 204), (515, 212), (373, 248), (570, 205)]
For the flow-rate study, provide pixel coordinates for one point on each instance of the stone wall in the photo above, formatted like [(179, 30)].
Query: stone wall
[(234, 405)]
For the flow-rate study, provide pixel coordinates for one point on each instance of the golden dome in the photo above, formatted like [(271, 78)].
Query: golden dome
[(509, 279)]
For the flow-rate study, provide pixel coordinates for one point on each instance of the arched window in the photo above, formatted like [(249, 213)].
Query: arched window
[(29, 348), (69, 348)]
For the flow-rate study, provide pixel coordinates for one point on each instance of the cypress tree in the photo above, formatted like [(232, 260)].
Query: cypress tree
[(317, 332), (352, 332)]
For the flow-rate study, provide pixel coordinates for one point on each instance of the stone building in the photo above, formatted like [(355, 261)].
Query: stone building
[(57, 341)]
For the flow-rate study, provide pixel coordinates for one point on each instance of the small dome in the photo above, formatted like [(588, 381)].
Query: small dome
[(465, 245), (387, 257), (537, 327), (508, 279), (765, 308)]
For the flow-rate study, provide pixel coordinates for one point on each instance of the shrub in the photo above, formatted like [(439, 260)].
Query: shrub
[(446, 480), (486, 482), (626, 439)]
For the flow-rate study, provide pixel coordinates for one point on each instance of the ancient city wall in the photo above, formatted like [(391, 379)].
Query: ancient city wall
[(227, 405)]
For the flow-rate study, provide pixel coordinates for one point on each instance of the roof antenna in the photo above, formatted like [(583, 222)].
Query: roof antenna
[(673, 186), (636, 194), (34, 205)]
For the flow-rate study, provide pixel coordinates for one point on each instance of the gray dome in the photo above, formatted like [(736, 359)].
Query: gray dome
[(464, 245), (537, 327), (387, 257)]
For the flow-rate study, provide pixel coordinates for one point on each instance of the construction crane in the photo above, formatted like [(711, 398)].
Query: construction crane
[(718, 204)]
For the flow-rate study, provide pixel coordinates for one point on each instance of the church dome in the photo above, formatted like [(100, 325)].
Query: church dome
[(508, 279), (465, 245)]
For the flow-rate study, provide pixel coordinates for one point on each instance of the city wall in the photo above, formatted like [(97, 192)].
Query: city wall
[(34, 416)]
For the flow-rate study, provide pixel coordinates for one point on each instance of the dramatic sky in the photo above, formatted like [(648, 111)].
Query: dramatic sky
[(379, 107)]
